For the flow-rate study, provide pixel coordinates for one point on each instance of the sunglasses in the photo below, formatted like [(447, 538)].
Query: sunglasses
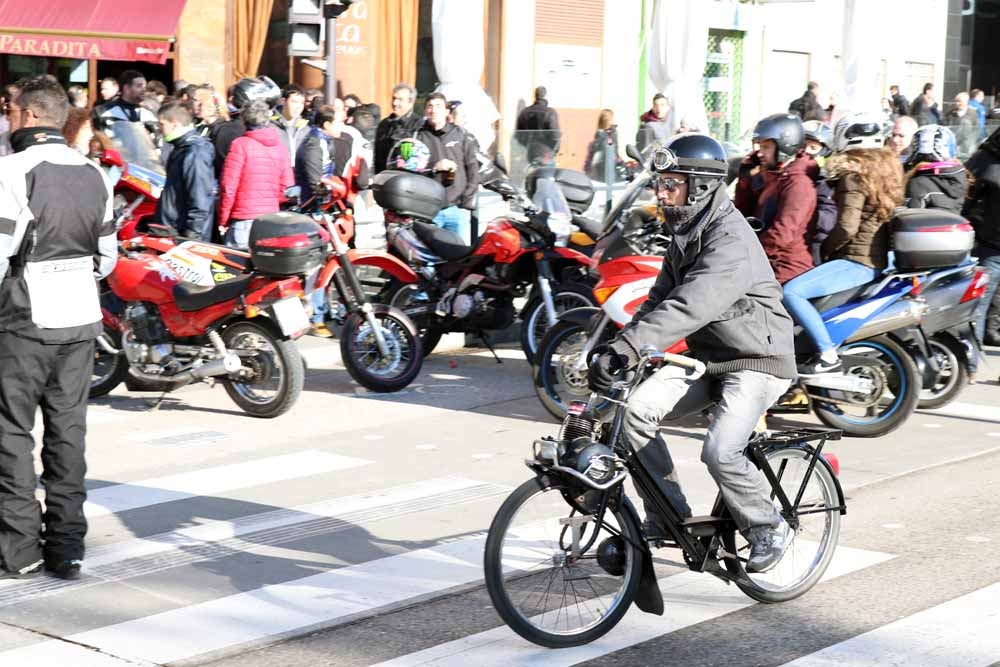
[(671, 184)]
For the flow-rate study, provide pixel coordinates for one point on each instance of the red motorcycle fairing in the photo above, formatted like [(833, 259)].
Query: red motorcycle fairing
[(502, 241), (575, 255), (383, 260), (144, 277)]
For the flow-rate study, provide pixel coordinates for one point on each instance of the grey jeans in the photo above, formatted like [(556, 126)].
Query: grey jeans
[(739, 399)]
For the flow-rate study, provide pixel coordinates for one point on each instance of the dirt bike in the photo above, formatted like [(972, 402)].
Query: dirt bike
[(457, 287)]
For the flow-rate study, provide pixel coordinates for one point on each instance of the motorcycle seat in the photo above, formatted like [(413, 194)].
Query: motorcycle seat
[(194, 297), (446, 245), (591, 228), (830, 301)]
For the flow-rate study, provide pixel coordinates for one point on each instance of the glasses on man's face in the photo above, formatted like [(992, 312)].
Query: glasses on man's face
[(671, 184)]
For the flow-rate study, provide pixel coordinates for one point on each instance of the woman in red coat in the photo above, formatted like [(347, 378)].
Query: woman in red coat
[(255, 175)]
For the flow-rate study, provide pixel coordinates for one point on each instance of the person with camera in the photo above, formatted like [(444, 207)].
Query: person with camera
[(716, 289)]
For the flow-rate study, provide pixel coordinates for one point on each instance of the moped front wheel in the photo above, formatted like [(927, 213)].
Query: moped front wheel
[(557, 577)]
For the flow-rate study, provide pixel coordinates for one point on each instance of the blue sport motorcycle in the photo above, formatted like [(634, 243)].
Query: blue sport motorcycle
[(886, 330)]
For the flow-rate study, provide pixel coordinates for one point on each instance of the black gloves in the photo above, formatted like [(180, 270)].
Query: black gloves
[(610, 364)]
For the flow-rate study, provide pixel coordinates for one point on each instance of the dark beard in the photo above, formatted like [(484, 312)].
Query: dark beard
[(679, 218)]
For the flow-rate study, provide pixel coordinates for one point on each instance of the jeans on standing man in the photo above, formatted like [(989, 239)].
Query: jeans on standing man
[(989, 259)]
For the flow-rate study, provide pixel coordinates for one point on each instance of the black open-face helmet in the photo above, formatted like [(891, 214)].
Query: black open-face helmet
[(785, 130), (699, 156)]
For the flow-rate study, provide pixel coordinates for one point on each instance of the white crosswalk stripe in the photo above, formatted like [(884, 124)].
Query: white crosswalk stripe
[(217, 479), (689, 598), (959, 633)]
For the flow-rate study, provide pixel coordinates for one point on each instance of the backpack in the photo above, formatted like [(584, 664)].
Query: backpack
[(824, 219)]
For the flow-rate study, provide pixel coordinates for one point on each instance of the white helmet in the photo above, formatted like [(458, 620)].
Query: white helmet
[(858, 130)]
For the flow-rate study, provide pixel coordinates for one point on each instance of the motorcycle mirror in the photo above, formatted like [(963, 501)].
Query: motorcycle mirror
[(633, 152), (112, 158)]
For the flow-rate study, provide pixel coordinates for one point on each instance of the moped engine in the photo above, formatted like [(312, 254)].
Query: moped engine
[(146, 340)]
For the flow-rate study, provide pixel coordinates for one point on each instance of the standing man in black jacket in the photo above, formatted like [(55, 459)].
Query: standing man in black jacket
[(453, 159), (808, 107), (538, 127), (188, 200), (982, 209), (401, 124), (57, 238)]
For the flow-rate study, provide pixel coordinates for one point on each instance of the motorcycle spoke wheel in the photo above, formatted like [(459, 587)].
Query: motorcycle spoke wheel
[(557, 382), (549, 585), (536, 322), (368, 365)]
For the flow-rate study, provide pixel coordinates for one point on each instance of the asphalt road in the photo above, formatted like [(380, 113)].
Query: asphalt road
[(349, 532)]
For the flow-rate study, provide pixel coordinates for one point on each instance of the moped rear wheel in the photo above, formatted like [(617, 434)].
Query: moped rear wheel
[(555, 587), (816, 525)]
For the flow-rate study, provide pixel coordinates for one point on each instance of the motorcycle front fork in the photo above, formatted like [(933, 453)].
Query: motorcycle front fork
[(545, 290), (590, 342), (352, 294)]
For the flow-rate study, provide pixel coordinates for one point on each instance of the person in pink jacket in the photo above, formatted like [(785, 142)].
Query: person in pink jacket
[(255, 175)]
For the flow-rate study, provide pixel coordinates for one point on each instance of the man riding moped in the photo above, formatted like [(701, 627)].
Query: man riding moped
[(717, 290)]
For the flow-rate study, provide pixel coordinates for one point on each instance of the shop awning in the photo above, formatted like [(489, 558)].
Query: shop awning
[(99, 29)]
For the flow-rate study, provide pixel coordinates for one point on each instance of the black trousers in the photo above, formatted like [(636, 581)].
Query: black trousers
[(55, 378)]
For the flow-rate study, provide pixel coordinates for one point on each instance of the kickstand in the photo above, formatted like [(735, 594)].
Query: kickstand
[(489, 346), (155, 405)]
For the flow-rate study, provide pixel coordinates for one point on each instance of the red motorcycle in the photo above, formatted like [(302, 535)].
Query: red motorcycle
[(135, 169), (451, 286), (191, 312)]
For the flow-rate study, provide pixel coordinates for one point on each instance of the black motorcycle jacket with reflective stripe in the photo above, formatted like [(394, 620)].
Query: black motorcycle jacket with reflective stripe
[(55, 204)]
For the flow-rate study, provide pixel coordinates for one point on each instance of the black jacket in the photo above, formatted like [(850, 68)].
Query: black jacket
[(717, 290), (900, 105), (807, 107), (222, 135), (983, 205), (941, 187), (455, 144), (391, 130), (188, 200), (538, 124)]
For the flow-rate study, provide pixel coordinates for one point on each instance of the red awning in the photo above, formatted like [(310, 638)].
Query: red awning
[(82, 29)]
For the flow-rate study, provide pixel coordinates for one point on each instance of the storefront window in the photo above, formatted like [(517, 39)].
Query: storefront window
[(19, 67), (71, 71)]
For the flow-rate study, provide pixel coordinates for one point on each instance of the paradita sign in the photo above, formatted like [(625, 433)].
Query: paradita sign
[(83, 47)]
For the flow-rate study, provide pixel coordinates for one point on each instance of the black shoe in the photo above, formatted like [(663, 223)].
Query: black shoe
[(654, 530), (767, 546), (67, 569), (26, 572), (816, 366)]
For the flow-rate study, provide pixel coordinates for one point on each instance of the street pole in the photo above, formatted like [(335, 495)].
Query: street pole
[(330, 80), (331, 10)]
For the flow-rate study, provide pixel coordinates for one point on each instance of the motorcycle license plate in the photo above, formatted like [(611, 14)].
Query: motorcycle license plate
[(291, 315)]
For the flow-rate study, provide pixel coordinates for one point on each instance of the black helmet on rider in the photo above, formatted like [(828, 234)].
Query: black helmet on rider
[(249, 90), (699, 156), (785, 130), (819, 132)]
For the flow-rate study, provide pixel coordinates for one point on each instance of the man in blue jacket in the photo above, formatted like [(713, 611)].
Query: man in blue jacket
[(188, 200)]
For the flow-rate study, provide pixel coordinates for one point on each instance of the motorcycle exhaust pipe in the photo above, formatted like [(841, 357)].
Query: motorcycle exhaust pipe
[(225, 366), (903, 313), (106, 345)]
